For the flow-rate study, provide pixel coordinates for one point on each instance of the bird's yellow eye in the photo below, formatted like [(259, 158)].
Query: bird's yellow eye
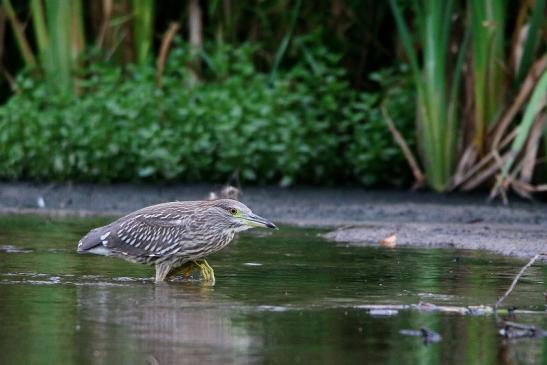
[(233, 211)]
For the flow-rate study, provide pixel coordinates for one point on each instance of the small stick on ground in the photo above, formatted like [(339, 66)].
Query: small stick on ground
[(516, 279)]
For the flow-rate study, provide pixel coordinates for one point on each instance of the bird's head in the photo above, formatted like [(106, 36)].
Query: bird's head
[(239, 216)]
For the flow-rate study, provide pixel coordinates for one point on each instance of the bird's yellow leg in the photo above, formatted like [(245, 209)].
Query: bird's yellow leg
[(206, 271)]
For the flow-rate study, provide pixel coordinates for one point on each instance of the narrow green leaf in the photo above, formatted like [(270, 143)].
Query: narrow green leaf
[(533, 37), (532, 109), (286, 39), (143, 26), (39, 23), (20, 38)]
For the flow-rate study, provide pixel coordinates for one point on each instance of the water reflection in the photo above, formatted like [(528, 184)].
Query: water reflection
[(169, 323), (288, 298)]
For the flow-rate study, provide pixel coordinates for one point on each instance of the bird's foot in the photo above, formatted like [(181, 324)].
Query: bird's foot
[(185, 270), (206, 271)]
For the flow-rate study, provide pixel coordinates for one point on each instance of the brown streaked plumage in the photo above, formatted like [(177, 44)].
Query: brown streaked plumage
[(173, 235)]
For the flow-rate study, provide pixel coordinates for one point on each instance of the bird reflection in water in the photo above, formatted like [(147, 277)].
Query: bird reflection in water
[(183, 323)]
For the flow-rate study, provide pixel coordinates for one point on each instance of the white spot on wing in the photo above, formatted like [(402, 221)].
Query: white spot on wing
[(104, 236)]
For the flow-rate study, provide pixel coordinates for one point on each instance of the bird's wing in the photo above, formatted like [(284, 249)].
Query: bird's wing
[(154, 234)]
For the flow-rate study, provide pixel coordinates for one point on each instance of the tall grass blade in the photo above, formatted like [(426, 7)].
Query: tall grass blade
[(454, 99), (59, 59), (532, 39), (536, 104), (39, 23), (286, 39), (21, 40), (407, 41), (487, 24), (77, 40), (143, 27), (436, 112)]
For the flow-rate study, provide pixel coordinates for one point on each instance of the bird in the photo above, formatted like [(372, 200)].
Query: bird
[(227, 192), (174, 236)]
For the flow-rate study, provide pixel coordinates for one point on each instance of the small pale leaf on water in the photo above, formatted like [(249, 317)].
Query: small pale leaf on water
[(390, 241)]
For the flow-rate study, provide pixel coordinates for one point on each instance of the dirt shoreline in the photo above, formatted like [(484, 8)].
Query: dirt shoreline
[(357, 216)]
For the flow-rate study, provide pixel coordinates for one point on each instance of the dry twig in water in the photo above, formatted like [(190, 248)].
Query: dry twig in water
[(516, 279)]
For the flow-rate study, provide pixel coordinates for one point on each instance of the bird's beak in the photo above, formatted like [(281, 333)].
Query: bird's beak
[(254, 220)]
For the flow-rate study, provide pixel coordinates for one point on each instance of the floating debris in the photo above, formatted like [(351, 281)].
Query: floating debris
[(434, 296), (428, 336), (126, 279), (480, 310), (383, 312), (425, 306), (272, 308), (473, 310), (512, 330), (13, 249)]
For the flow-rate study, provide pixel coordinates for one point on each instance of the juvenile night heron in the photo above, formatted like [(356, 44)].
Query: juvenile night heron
[(173, 236)]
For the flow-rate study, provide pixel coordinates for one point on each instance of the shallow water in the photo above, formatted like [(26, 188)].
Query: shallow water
[(285, 297)]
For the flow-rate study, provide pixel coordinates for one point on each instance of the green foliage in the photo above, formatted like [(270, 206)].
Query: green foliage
[(372, 152), (297, 126)]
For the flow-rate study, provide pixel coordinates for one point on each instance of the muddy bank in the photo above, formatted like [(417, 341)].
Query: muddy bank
[(356, 215), (522, 240)]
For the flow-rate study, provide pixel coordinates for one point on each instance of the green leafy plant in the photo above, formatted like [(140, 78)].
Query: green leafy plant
[(296, 126), (371, 147)]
